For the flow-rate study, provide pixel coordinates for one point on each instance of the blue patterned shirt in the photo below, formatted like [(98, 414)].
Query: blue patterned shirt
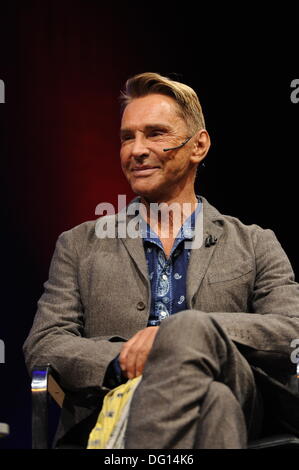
[(168, 275), (168, 278)]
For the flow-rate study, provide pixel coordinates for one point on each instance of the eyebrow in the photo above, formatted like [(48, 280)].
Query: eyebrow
[(149, 127)]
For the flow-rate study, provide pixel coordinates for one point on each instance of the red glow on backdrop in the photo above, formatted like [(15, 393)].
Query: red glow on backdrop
[(68, 118)]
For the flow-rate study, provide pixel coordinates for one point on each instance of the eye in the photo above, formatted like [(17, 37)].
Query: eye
[(126, 137), (155, 133)]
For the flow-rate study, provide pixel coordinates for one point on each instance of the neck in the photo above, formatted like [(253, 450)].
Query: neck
[(167, 215)]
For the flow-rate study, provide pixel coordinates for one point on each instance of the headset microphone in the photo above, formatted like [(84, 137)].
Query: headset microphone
[(179, 146)]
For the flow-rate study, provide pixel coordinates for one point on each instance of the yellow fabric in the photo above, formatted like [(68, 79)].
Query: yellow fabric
[(113, 406)]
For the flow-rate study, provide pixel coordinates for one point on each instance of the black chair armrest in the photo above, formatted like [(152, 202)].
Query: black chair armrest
[(4, 430), (44, 383), (281, 441)]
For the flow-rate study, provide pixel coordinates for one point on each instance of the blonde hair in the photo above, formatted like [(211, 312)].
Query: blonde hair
[(149, 83)]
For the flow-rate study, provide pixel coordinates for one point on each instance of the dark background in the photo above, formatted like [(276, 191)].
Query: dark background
[(63, 64)]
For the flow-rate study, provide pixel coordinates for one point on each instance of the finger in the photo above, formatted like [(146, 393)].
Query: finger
[(138, 353), (131, 358), (135, 351), (124, 352), (140, 362), (126, 346)]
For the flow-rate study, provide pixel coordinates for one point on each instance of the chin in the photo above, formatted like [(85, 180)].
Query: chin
[(141, 191), (151, 194), (142, 187)]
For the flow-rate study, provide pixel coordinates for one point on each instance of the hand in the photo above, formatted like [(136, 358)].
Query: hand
[(135, 351)]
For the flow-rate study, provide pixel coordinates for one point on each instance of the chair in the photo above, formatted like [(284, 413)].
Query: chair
[(4, 430), (45, 386)]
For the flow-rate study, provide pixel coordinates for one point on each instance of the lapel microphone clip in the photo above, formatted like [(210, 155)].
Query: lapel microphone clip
[(210, 240)]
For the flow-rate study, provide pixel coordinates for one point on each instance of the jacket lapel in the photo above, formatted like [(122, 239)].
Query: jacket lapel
[(136, 251), (134, 246), (200, 257)]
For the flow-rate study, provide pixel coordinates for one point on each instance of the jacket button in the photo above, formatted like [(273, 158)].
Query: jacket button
[(141, 306)]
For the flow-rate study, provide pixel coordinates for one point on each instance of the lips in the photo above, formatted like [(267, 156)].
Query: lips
[(144, 170)]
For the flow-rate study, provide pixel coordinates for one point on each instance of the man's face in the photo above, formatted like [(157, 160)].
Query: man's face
[(150, 124)]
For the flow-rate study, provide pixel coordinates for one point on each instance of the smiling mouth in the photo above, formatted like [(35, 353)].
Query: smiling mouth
[(144, 171)]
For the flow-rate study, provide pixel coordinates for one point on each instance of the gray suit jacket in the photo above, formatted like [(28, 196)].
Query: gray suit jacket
[(98, 295)]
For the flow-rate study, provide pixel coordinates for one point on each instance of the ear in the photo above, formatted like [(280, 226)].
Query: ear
[(202, 143)]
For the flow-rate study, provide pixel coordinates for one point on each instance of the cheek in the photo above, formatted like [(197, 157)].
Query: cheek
[(123, 159), (174, 165)]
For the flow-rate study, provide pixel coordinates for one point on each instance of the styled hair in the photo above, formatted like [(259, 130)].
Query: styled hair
[(144, 84)]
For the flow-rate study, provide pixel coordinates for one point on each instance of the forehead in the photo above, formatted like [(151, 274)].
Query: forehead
[(151, 109)]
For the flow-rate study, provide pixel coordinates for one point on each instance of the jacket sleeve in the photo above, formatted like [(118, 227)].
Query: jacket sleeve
[(57, 335), (267, 332)]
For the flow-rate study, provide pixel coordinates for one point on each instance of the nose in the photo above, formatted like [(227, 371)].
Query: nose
[(139, 148)]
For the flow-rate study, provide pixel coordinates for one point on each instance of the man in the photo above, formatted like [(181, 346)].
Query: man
[(207, 325)]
